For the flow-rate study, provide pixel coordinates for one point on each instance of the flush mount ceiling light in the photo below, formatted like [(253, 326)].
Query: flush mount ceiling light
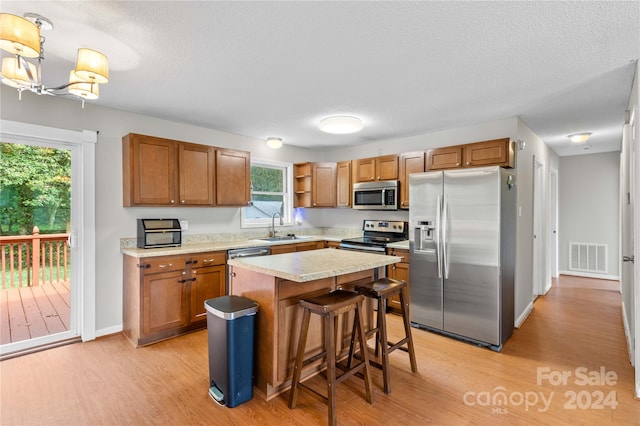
[(340, 124), (274, 143), (21, 38), (580, 137)]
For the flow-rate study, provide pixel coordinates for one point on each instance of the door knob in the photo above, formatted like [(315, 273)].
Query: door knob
[(628, 259)]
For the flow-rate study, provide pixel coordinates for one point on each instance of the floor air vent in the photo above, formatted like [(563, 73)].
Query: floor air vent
[(588, 257)]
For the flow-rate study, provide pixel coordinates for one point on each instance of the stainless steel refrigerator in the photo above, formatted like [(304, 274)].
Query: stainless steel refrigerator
[(462, 238)]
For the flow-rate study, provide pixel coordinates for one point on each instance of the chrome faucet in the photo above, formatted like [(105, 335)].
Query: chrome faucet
[(273, 223)]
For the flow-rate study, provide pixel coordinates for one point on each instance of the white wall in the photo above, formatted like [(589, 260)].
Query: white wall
[(534, 148), (589, 205), (114, 221)]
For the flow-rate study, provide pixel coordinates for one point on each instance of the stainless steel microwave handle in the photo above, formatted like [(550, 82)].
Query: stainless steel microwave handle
[(384, 199)]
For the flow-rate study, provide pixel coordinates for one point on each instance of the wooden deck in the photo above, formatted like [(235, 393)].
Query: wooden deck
[(37, 311)]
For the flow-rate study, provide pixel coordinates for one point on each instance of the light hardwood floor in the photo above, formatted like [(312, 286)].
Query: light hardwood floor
[(576, 328)]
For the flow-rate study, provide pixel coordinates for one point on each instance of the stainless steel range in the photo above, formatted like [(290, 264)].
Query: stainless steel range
[(377, 234)]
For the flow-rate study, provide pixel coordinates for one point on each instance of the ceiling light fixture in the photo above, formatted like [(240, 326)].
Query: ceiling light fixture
[(274, 143), (580, 137), (341, 124), (21, 37)]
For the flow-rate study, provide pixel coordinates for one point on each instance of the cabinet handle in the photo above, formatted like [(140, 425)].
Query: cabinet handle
[(468, 163), (378, 177), (182, 201), (173, 201), (457, 164), (165, 266), (208, 260)]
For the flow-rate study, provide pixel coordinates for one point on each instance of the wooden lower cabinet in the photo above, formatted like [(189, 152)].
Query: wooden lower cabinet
[(332, 244), (398, 271), (291, 248), (164, 296)]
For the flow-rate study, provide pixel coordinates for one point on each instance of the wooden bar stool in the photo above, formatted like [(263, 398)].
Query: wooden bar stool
[(330, 306), (382, 290)]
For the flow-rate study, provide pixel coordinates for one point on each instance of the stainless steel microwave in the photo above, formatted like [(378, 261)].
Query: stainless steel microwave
[(381, 195)]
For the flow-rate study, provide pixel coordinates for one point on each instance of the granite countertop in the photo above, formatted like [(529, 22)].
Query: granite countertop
[(399, 245), (205, 246), (314, 264)]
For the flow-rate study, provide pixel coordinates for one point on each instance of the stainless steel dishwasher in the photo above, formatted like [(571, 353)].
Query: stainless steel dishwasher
[(244, 252)]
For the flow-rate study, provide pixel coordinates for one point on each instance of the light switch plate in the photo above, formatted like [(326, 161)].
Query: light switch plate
[(184, 224)]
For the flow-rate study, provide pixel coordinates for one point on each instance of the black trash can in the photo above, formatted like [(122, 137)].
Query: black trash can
[(230, 327)]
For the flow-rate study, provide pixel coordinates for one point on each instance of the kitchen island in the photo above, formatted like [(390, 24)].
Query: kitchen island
[(277, 283)]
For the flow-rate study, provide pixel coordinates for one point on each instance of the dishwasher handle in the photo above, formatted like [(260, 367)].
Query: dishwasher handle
[(249, 253)]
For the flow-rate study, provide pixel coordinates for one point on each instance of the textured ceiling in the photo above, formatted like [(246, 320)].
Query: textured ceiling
[(276, 68)]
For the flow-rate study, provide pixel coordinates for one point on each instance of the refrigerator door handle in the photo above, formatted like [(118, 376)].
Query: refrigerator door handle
[(438, 235), (445, 222)]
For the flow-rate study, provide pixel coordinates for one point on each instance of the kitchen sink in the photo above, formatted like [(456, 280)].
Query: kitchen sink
[(283, 238)]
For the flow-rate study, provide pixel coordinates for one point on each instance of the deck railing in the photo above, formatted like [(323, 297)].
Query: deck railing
[(31, 260)]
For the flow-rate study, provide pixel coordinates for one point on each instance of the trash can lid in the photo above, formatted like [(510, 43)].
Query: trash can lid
[(231, 307)]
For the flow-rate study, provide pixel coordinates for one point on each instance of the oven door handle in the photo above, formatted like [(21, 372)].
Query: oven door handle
[(357, 247)]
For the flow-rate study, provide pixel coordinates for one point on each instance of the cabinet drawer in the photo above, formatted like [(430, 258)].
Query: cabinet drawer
[(154, 265), (208, 259)]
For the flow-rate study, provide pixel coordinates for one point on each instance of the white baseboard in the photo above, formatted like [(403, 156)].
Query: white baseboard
[(590, 275), (627, 333), (109, 330), (523, 316)]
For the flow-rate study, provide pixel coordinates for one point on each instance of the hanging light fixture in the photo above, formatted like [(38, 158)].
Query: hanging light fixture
[(274, 143), (21, 37)]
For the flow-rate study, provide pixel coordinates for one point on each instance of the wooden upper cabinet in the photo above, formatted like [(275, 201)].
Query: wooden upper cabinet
[(149, 171), (444, 158), (314, 184), (233, 177), (323, 184), (410, 162), (302, 185), (343, 184), (377, 168), (498, 152), (196, 174)]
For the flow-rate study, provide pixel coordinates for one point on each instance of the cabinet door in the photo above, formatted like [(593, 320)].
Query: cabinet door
[(149, 171), (196, 176), (233, 178), (332, 244), (497, 152), (343, 184), (387, 167), (283, 248), (312, 245), (365, 170), (323, 190), (209, 282), (164, 302), (444, 158), (410, 162)]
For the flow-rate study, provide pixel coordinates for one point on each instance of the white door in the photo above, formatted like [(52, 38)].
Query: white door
[(553, 222), (82, 228), (539, 268)]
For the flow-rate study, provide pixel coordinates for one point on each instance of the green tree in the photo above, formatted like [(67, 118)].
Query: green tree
[(35, 184)]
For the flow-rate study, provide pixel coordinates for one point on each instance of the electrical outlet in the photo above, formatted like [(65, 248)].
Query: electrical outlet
[(184, 224)]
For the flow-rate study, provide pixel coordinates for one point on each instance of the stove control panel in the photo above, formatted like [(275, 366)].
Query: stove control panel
[(390, 226)]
